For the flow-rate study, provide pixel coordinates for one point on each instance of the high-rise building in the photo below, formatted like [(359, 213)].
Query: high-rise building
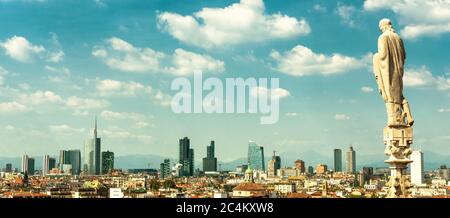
[(366, 175), (107, 161), (8, 168), (92, 154), (165, 169), (27, 165), (300, 165), (337, 160), (444, 172), (310, 169), (417, 168), (350, 161), (186, 157), (72, 157), (274, 165), (255, 156), (210, 161), (48, 164), (321, 169)]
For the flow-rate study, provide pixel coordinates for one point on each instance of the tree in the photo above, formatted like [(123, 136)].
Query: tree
[(154, 184), (169, 184)]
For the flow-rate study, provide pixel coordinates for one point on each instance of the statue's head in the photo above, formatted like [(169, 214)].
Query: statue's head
[(385, 24)]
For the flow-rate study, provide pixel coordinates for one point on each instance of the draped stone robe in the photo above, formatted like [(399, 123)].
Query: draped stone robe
[(388, 66)]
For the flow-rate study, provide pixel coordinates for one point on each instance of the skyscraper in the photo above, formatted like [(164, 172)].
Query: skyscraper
[(321, 169), (72, 157), (8, 168), (107, 161), (47, 164), (255, 156), (351, 160), (92, 152), (210, 161), (186, 157), (300, 165), (417, 168), (274, 165), (337, 160), (27, 165), (165, 169)]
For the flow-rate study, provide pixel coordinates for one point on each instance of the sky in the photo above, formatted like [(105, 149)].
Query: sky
[(64, 62)]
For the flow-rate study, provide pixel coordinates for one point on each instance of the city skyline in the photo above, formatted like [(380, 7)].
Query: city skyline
[(62, 75)]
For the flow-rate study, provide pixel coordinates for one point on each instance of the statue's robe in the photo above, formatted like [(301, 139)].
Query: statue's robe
[(388, 66)]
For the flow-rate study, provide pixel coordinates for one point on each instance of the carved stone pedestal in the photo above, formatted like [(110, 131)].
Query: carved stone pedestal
[(398, 141)]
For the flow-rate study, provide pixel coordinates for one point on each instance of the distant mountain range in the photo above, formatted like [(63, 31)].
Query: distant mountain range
[(311, 158)]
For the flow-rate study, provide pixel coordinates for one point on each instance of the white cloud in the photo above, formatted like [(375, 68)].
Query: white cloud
[(66, 129), (186, 63), (346, 13), (40, 97), (110, 87), (111, 115), (56, 57), (278, 93), (420, 77), (444, 110), (85, 103), (20, 49), (123, 56), (366, 89), (60, 70), (291, 114), (24, 86), (302, 61), (320, 8), (419, 17), (11, 107), (238, 23), (3, 73), (341, 117)]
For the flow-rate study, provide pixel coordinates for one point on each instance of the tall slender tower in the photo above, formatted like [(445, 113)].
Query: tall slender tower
[(92, 154), (337, 160), (417, 168), (351, 160)]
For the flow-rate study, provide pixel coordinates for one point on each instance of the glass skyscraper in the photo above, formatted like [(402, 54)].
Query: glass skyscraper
[(107, 162), (72, 157), (92, 152), (186, 157), (337, 160), (210, 162), (255, 156)]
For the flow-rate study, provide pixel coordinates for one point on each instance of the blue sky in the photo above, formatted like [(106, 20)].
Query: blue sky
[(64, 62)]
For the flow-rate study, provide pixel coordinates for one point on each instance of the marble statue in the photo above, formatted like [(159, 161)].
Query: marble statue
[(388, 65), (388, 69)]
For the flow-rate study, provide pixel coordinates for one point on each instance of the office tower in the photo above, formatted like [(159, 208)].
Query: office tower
[(210, 161), (186, 157), (444, 172), (48, 164), (337, 160), (72, 157), (366, 175), (107, 162), (8, 168), (92, 154), (351, 160), (321, 169), (300, 165), (255, 156), (311, 170), (27, 165), (417, 168), (274, 165), (165, 169)]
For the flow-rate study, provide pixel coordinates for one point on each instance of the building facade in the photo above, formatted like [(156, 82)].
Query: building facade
[(337, 160), (186, 157), (417, 168), (256, 156), (107, 162), (210, 161), (92, 154), (350, 161)]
